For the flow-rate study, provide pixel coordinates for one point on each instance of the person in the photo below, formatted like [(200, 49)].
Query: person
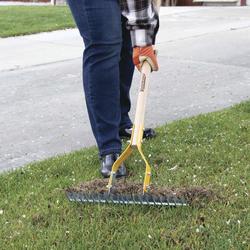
[(118, 35)]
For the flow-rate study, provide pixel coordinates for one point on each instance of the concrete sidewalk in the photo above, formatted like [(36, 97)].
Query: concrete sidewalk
[(39, 49), (204, 55), (177, 23), (49, 47)]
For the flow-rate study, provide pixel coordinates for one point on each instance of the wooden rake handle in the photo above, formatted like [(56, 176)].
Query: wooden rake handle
[(141, 105)]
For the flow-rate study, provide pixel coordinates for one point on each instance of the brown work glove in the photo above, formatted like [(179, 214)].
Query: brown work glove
[(141, 54)]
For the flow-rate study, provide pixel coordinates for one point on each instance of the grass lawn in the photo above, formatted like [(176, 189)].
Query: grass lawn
[(23, 20), (211, 150)]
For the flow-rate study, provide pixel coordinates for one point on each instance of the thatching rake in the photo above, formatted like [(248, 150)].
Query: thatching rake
[(135, 144)]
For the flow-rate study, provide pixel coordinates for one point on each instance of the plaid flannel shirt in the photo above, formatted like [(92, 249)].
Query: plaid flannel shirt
[(143, 20)]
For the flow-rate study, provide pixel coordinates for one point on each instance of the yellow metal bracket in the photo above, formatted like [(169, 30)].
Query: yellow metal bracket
[(126, 153)]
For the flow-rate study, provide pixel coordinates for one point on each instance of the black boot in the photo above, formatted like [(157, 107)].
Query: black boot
[(148, 133), (107, 162)]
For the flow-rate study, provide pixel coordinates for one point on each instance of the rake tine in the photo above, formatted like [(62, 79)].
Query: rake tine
[(90, 198), (106, 198), (99, 198), (96, 197), (161, 200), (69, 196), (175, 202), (141, 199), (153, 200), (158, 201), (102, 199), (131, 199), (74, 196), (147, 198), (84, 198), (110, 198), (126, 199), (183, 201), (170, 201), (116, 200), (135, 199), (123, 200), (120, 199), (87, 198), (78, 197)]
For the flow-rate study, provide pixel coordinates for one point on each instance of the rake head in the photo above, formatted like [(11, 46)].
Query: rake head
[(129, 199)]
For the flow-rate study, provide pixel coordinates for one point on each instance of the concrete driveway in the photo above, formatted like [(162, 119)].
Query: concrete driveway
[(204, 54)]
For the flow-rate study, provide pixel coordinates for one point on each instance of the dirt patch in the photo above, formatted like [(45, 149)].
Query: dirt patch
[(193, 195)]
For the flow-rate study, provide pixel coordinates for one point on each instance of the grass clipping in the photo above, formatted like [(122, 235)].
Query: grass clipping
[(192, 195)]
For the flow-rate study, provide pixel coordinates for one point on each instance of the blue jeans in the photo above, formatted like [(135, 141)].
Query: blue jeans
[(107, 69)]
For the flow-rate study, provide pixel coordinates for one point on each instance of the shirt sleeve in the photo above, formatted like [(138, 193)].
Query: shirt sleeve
[(143, 20)]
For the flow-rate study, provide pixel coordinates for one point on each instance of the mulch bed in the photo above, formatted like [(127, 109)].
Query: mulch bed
[(193, 195)]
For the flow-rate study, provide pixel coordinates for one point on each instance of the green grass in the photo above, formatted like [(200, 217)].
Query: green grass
[(211, 150), (23, 20)]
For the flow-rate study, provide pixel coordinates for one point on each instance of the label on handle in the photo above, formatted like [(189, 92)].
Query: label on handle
[(143, 83)]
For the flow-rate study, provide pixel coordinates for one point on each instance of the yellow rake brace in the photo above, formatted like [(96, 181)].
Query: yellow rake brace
[(137, 132)]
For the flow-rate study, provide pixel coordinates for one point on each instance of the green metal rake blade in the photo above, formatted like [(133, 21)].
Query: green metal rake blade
[(146, 199)]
